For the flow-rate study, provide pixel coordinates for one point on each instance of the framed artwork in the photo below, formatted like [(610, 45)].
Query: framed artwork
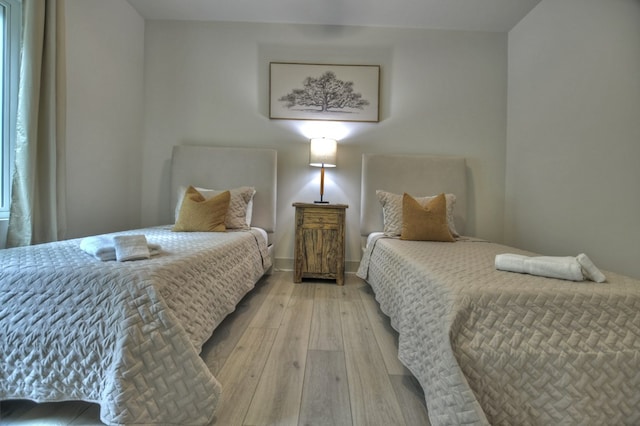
[(324, 92)]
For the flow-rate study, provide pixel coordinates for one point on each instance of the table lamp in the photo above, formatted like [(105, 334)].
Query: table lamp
[(322, 153)]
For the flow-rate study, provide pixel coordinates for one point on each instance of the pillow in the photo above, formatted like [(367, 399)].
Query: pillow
[(392, 211), (240, 206), (425, 223), (200, 214)]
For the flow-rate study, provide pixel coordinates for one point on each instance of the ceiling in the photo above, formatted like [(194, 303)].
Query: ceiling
[(472, 15)]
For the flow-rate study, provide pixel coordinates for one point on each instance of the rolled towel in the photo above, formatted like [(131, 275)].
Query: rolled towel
[(566, 268), (131, 247), (589, 269), (510, 262)]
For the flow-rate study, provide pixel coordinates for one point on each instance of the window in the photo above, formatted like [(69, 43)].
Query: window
[(10, 30)]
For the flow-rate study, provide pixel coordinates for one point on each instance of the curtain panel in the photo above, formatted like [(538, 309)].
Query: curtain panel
[(38, 199)]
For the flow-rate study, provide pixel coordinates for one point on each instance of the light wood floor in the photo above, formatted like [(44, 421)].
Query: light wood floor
[(291, 354)]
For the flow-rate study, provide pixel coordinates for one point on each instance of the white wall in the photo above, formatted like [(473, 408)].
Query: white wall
[(105, 58), (573, 140), (572, 137), (443, 92)]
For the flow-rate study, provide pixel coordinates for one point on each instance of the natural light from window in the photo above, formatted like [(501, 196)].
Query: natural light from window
[(10, 22)]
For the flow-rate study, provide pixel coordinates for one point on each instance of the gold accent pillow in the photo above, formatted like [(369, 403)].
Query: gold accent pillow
[(428, 223), (200, 214), (392, 211), (240, 205)]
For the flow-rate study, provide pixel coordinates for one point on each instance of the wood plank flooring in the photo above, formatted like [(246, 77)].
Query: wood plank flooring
[(312, 353)]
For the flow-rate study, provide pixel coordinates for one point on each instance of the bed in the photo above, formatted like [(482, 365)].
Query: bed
[(127, 335), (490, 346)]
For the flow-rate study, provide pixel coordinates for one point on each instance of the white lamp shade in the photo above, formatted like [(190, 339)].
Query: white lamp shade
[(322, 152)]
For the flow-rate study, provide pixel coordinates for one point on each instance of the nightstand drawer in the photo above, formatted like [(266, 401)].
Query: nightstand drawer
[(318, 218)]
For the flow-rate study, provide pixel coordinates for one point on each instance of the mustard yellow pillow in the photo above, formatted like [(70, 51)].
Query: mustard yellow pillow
[(240, 206), (427, 223), (200, 214), (392, 211)]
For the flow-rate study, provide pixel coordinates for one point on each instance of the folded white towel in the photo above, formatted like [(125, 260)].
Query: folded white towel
[(562, 267), (99, 246), (590, 270), (131, 247), (102, 247)]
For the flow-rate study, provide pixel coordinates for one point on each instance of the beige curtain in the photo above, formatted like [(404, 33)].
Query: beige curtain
[(38, 198)]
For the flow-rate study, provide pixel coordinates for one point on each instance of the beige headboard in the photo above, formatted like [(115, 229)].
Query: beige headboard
[(417, 175), (227, 168)]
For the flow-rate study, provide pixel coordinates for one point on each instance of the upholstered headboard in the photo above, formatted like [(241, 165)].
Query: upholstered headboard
[(417, 175), (227, 168)]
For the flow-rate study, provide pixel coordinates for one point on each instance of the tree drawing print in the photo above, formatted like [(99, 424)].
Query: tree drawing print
[(324, 94)]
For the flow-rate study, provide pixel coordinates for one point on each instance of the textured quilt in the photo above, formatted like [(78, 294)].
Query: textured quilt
[(126, 335), (502, 348)]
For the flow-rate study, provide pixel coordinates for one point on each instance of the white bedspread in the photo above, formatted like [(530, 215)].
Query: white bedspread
[(493, 347), (124, 335)]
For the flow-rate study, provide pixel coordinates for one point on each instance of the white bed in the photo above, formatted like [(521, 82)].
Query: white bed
[(127, 335), (495, 347)]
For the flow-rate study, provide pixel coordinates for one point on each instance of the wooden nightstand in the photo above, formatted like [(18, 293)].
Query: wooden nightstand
[(319, 246)]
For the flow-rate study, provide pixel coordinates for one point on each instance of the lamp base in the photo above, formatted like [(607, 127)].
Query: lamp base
[(321, 202)]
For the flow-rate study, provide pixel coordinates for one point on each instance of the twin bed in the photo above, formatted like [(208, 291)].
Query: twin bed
[(127, 335), (487, 346), (495, 347)]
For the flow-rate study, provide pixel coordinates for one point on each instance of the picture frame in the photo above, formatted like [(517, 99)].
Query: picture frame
[(300, 91)]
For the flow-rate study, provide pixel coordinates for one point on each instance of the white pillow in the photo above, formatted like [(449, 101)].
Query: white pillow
[(392, 211), (240, 209)]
